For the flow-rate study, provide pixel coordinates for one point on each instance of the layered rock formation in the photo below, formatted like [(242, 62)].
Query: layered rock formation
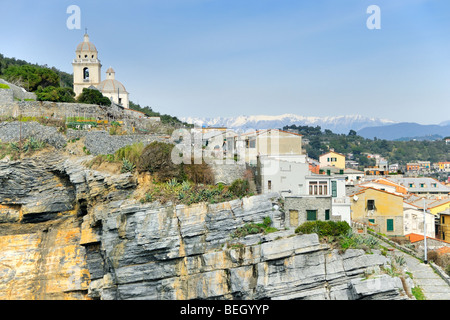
[(67, 232)]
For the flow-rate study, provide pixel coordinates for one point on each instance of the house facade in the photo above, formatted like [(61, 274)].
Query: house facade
[(332, 159), (281, 174), (444, 228), (413, 221), (380, 208)]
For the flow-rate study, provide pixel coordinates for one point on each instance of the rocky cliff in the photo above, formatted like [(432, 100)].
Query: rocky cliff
[(68, 232)]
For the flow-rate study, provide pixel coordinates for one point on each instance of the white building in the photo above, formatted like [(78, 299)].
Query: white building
[(87, 74), (289, 175), (114, 89), (282, 175), (413, 220)]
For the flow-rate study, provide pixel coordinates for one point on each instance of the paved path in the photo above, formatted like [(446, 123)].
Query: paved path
[(432, 285)]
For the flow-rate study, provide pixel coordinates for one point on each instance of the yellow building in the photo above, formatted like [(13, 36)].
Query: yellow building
[(378, 207), (444, 230), (444, 166), (332, 159), (439, 206)]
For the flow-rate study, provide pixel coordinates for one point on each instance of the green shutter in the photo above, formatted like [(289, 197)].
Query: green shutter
[(389, 224), (327, 214), (372, 221), (311, 215), (333, 189)]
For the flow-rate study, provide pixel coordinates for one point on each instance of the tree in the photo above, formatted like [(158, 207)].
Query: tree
[(352, 133), (55, 94), (31, 77), (93, 96)]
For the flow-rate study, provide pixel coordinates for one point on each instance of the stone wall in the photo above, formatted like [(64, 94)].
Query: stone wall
[(296, 207), (18, 93), (13, 131), (6, 96), (101, 142), (227, 173), (96, 142)]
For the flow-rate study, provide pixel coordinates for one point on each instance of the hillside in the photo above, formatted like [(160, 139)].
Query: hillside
[(66, 79), (394, 151), (405, 130)]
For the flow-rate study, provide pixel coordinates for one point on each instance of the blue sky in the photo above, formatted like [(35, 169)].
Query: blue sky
[(243, 57)]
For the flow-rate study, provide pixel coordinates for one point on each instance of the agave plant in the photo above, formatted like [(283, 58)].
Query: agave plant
[(400, 260), (172, 183), (371, 242), (185, 186), (127, 166)]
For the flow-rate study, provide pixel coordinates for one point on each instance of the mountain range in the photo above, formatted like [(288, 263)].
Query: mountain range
[(405, 130), (337, 124), (367, 127)]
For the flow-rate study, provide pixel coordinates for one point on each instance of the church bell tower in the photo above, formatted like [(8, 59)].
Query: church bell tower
[(86, 66)]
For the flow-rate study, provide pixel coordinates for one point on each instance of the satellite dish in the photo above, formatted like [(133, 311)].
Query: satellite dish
[(355, 198)]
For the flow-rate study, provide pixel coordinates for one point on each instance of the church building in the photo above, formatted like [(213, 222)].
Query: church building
[(87, 74)]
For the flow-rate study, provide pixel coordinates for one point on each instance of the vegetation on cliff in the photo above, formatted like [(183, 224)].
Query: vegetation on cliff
[(177, 183)]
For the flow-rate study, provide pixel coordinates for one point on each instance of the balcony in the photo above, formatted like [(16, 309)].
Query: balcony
[(86, 60), (343, 200)]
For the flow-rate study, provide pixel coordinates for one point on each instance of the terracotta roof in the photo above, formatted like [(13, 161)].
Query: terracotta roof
[(414, 237), (365, 188)]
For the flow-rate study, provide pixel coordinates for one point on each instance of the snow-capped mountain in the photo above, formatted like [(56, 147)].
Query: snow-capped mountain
[(337, 124)]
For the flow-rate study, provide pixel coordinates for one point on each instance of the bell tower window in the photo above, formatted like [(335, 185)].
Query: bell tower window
[(86, 74)]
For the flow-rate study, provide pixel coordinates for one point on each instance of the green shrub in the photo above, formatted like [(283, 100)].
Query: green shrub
[(239, 188), (254, 228), (324, 228), (156, 159), (130, 152), (93, 96), (418, 293), (55, 94), (4, 86)]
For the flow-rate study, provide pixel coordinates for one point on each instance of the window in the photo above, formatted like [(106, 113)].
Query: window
[(389, 224), (443, 219), (334, 189), (311, 215), (312, 187), (86, 74), (269, 184), (370, 204), (411, 185), (422, 185), (372, 221), (327, 214)]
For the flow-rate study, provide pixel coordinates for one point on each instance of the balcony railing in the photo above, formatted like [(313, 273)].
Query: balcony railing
[(344, 200)]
